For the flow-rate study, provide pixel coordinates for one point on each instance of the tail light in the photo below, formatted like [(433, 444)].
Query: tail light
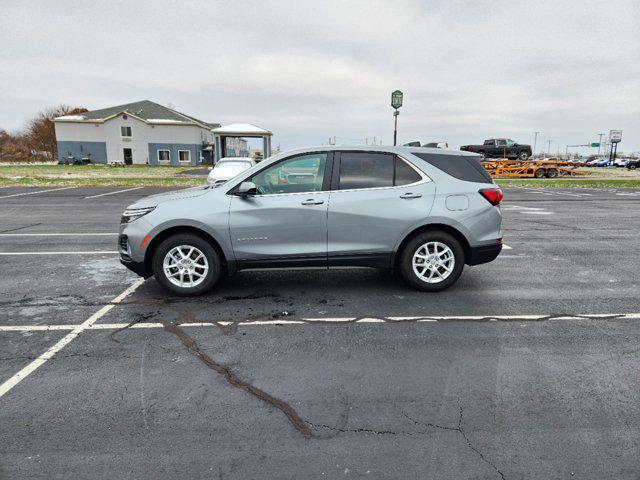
[(493, 195)]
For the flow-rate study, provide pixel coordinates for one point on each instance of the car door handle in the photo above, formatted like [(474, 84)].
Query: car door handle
[(410, 195), (311, 201)]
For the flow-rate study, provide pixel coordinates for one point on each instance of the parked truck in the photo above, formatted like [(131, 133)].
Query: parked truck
[(500, 148)]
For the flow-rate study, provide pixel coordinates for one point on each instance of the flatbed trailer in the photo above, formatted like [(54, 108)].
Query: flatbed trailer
[(532, 169)]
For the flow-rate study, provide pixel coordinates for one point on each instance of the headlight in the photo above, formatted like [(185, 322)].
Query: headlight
[(131, 214)]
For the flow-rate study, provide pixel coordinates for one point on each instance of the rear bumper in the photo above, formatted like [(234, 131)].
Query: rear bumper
[(484, 254)]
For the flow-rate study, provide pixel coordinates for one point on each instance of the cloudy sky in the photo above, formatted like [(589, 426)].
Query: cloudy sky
[(311, 70)]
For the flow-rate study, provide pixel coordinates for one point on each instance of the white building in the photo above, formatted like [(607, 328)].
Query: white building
[(139, 133)]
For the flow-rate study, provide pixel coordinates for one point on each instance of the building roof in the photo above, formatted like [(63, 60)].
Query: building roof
[(242, 129), (145, 110)]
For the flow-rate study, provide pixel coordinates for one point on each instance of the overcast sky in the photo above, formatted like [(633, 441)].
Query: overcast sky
[(308, 70)]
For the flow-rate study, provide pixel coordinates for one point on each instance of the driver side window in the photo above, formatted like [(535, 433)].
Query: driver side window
[(303, 173)]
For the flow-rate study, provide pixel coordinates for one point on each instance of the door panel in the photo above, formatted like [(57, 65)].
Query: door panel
[(372, 221), (279, 226), (287, 217)]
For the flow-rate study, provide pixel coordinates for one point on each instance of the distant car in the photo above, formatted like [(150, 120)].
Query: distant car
[(620, 162), (229, 167), (633, 164), (601, 162), (443, 145), (500, 148)]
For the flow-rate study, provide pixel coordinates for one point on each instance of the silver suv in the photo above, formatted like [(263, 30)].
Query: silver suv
[(423, 211)]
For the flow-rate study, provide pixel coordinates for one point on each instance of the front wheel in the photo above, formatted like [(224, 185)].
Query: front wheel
[(432, 261), (632, 167), (186, 265)]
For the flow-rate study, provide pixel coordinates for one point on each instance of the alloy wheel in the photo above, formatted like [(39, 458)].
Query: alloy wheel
[(185, 266), (433, 262)]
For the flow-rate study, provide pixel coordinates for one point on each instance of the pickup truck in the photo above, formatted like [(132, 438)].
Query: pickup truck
[(500, 148)]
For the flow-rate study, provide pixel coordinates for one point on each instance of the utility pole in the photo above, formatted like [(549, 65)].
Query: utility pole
[(548, 147), (535, 142)]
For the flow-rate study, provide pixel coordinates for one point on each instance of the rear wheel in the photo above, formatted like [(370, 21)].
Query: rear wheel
[(523, 155), (632, 166), (552, 173), (539, 173), (186, 265), (432, 261)]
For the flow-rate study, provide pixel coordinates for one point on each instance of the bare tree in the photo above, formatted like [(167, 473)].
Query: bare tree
[(40, 132), (12, 147)]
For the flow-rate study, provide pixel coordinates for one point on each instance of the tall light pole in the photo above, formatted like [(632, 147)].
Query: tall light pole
[(600, 142), (396, 103), (535, 142)]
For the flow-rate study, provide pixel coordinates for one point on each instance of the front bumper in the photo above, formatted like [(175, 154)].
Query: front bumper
[(484, 254), (126, 257), (136, 267)]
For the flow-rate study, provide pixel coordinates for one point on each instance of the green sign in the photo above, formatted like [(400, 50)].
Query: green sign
[(396, 99), (595, 145)]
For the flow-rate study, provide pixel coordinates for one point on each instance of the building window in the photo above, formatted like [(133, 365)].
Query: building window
[(125, 131), (184, 156), (164, 156)]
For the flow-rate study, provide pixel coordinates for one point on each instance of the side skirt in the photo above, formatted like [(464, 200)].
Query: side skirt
[(377, 260)]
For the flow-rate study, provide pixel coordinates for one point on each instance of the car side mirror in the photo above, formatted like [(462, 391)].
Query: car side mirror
[(246, 188)]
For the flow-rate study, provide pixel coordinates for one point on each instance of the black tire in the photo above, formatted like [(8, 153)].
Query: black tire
[(523, 155), (552, 173), (187, 239), (632, 167), (539, 173), (406, 260)]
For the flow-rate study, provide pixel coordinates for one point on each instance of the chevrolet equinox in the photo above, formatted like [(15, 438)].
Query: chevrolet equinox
[(423, 211)]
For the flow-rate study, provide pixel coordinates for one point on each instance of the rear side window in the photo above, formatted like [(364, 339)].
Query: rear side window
[(405, 175), (374, 170), (365, 170), (461, 167)]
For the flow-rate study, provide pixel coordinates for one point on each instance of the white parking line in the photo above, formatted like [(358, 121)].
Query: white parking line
[(283, 321), (528, 210), (60, 344), (113, 193), (90, 252), (506, 247), (56, 234), (39, 191)]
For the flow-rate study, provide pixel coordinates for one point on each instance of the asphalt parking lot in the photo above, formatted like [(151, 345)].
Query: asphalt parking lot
[(528, 367)]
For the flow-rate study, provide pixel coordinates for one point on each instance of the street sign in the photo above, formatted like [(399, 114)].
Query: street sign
[(595, 145), (615, 136), (396, 99)]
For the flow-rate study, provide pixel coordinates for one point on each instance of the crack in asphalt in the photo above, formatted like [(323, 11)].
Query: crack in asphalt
[(20, 228), (428, 425), (237, 382), (463, 433), (472, 447), (372, 431), (139, 318)]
